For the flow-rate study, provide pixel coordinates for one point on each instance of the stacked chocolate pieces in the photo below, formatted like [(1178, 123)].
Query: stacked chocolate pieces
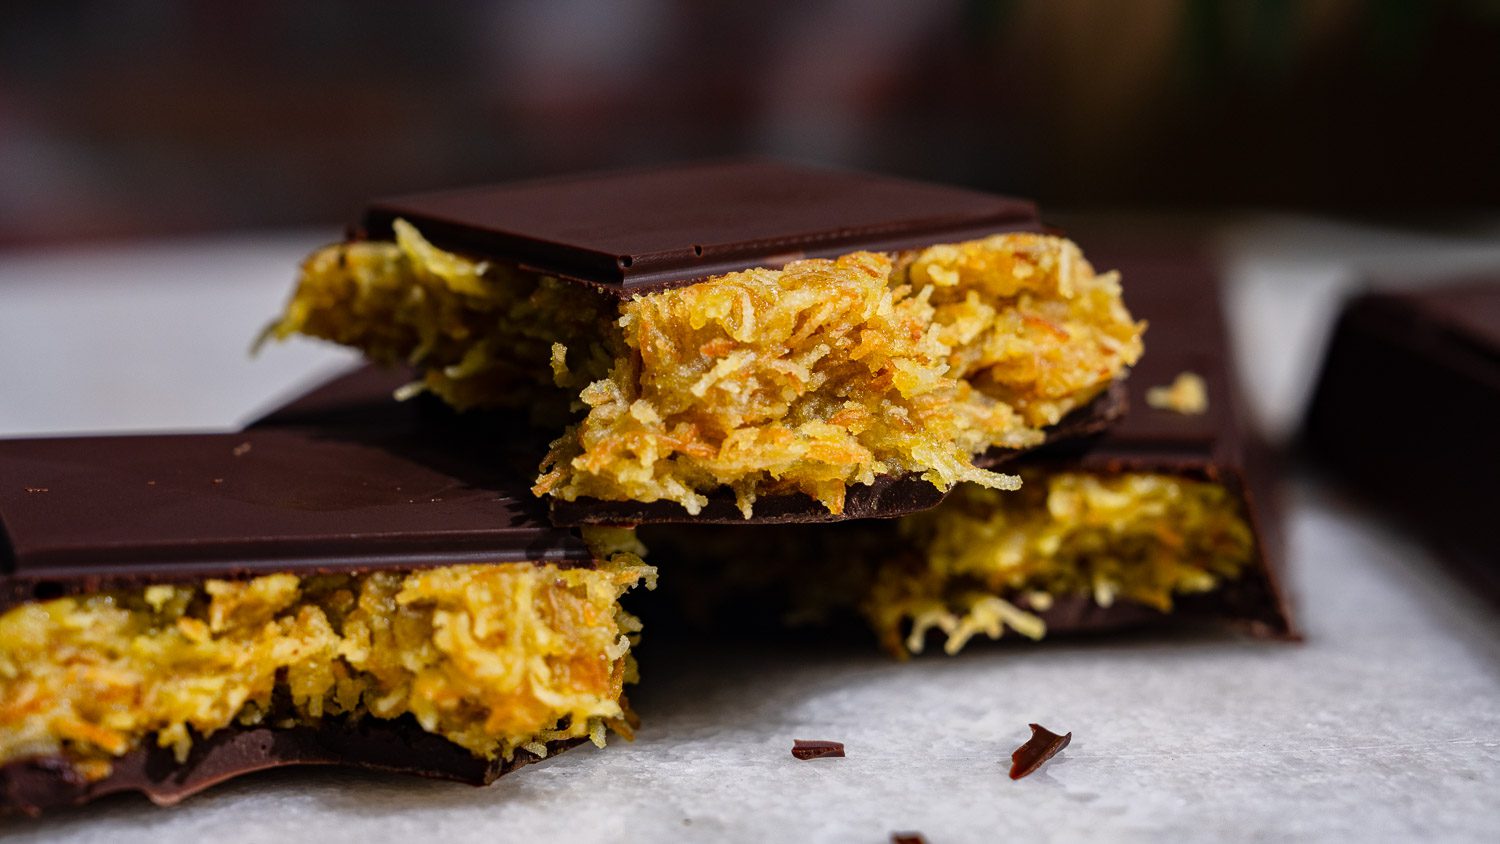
[(745, 343)]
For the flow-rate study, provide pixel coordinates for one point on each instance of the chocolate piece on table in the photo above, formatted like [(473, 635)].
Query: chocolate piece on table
[(635, 231), (805, 749), (717, 373), (39, 784), (1407, 412), (128, 511), (1204, 487), (1043, 745), (202, 545)]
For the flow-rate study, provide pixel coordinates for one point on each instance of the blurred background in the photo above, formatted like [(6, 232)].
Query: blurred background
[(131, 119)]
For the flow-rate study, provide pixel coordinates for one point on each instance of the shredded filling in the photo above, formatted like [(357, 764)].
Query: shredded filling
[(986, 563), (807, 379), (980, 563), (494, 658)]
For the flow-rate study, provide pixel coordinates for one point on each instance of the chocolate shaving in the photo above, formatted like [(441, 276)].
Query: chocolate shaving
[(1043, 745), (804, 749), (907, 838)]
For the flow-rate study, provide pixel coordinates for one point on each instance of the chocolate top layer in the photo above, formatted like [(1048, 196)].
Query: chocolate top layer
[(82, 514), (1177, 296), (635, 230)]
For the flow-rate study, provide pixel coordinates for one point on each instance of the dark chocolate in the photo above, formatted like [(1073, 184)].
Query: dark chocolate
[(34, 786), (124, 511), (1177, 294), (805, 749), (638, 230), (1407, 413), (1043, 745)]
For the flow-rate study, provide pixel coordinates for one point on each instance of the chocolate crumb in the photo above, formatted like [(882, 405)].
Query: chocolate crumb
[(1043, 745), (36, 489), (804, 749), (907, 838), (240, 450), (217, 481)]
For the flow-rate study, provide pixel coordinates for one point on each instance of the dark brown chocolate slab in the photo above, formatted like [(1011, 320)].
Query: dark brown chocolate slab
[(82, 514), (1407, 414), (636, 230), (34, 786), (1043, 745)]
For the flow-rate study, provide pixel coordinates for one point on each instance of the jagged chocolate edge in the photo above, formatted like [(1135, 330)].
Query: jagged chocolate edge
[(33, 786)]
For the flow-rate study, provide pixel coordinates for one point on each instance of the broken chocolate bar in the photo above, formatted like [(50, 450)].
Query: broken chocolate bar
[(1407, 412), (1167, 515), (1043, 745), (743, 340), (178, 610)]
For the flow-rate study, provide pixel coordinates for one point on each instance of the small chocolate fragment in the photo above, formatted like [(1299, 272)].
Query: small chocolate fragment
[(629, 232), (1407, 414), (815, 749), (1043, 745), (907, 838), (37, 785)]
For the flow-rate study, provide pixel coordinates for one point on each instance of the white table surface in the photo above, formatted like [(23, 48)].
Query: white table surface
[(1383, 725)]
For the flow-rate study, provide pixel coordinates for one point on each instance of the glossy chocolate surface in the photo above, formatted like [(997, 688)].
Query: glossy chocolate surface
[(636, 230), (81, 514)]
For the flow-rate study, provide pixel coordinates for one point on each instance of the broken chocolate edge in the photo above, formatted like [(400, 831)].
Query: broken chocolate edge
[(35, 785)]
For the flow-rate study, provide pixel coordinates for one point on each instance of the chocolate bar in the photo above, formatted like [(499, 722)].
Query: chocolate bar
[(736, 340), (179, 610), (1407, 409), (1168, 515)]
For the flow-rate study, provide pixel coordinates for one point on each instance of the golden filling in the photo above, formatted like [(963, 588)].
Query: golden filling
[(805, 379), (491, 657), (984, 562)]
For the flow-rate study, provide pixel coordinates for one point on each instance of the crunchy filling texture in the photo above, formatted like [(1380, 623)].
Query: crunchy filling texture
[(494, 658), (986, 562), (805, 379)]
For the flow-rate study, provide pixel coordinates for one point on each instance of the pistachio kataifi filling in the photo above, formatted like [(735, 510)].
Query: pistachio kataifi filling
[(982, 563), (808, 378), (494, 658)]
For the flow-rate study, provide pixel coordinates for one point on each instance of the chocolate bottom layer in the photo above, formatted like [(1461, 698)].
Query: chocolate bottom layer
[(32, 786), (887, 498)]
